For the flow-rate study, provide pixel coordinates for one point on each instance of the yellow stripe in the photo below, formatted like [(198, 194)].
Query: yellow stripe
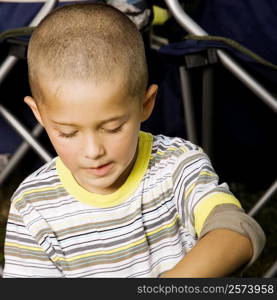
[(37, 190), (168, 149), (207, 173), (120, 248), (23, 247), (160, 153), (172, 149), (203, 209), (193, 184), (189, 190), (184, 149), (101, 252), (163, 227), (98, 252)]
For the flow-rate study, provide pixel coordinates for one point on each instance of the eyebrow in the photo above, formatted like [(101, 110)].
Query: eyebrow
[(100, 123), (64, 124)]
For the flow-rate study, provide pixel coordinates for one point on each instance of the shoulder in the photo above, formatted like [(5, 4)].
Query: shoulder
[(45, 176), (174, 149), (179, 157), (171, 156), (172, 144)]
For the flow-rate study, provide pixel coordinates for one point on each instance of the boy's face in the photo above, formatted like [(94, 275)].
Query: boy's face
[(94, 129)]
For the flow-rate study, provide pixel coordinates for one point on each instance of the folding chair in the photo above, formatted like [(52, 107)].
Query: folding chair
[(186, 22), (29, 138)]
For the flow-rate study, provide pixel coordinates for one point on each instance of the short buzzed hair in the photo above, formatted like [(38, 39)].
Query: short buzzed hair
[(89, 41)]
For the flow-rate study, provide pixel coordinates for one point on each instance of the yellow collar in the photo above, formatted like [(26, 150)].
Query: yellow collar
[(129, 186)]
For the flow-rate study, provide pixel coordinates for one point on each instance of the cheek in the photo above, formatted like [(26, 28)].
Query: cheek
[(123, 149), (65, 148), (67, 153)]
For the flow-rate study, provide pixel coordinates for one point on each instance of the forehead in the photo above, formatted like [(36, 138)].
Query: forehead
[(80, 91), (77, 101)]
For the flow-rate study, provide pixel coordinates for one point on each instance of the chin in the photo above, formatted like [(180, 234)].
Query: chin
[(106, 187)]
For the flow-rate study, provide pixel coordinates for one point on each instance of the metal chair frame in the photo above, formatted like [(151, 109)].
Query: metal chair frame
[(28, 138), (186, 22)]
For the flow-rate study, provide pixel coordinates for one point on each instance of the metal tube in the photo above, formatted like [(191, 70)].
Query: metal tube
[(183, 19), (187, 105), (16, 157), (46, 8), (271, 271), (248, 80), (25, 134), (6, 66), (192, 27), (10, 61), (207, 111), (268, 194)]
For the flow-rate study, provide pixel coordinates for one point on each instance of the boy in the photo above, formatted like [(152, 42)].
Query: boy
[(116, 202)]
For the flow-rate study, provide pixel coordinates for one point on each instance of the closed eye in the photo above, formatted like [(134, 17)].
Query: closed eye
[(67, 135), (114, 130)]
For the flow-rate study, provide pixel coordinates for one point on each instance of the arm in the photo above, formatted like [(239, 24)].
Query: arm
[(219, 253), (228, 241)]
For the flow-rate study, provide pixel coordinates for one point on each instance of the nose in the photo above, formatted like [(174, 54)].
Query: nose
[(93, 147)]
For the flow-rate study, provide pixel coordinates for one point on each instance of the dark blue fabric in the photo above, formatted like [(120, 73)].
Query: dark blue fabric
[(167, 117), (195, 46), (252, 23), (14, 15), (9, 138), (243, 132)]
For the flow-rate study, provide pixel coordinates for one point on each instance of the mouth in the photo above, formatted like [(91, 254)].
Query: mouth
[(100, 170)]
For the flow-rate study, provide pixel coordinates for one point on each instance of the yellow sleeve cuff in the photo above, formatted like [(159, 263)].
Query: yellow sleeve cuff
[(206, 205)]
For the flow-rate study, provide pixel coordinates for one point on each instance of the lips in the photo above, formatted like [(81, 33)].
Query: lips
[(101, 170)]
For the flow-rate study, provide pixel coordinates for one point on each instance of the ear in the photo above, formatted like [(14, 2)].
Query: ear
[(149, 101), (33, 105)]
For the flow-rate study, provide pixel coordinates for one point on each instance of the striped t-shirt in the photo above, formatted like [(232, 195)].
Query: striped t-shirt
[(58, 229)]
